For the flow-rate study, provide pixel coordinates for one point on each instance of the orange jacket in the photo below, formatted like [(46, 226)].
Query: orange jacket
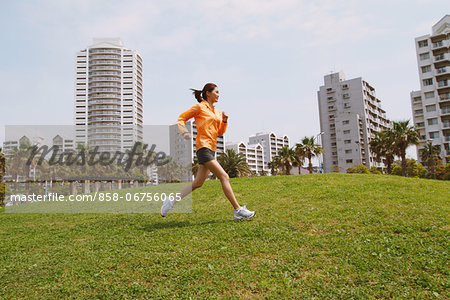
[(209, 124)]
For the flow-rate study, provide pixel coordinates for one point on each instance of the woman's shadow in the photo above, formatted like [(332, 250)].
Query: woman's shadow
[(179, 224)]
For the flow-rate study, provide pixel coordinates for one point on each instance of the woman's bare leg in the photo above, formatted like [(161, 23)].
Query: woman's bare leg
[(220, 173), (200, 177)]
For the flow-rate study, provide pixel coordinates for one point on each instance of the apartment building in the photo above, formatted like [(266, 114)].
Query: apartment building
[(350, 115), (64, 144), (109, 107), (182, 150), (431, 104), (10, 146), (254, 155), (271, 144)]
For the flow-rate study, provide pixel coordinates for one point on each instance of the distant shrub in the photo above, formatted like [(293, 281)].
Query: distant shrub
[(412, 169), (422, 171), (361, 169), (374, 170), (396, 170)]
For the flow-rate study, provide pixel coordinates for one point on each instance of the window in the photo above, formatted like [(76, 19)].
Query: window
[(347, 141), (333, 135), (349, 161), (345, 86), (333, 144), (346, 96), (423, 43), (417, 99), (418, 112), (432, 121), (434, 135), (420, 124), (429, 95), (334, 153), (345, 122), (443, 83), (335, 163), (426, 69), (441, 70), (346, 131), (428, 81), (332, 125), (331, 116), (348, 151), (424, 56), (346, 105), (430, 108)]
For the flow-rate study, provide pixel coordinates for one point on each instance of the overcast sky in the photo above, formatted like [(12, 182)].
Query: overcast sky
[(267, 57)]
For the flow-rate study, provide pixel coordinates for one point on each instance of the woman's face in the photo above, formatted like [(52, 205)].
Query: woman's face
[(213, 95)]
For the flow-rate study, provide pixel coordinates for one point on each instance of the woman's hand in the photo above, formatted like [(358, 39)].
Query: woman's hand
[(187, 136), (224, 117)]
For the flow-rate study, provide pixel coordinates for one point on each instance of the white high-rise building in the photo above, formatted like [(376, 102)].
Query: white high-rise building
[(271, 144), (254, 155), (350, 115), (183, 151), (431, 104), (109, 107)]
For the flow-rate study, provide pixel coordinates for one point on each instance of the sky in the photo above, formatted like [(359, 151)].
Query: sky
[(267, 57)]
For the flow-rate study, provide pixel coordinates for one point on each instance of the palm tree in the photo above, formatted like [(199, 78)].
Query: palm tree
[(234, 163), (382, 145), (308, 148), (274, 165), (288, 158), (404, 135), (430, 153)]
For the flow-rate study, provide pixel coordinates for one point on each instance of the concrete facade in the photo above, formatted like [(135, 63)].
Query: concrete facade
[(431, 104), (254, 155), (350, 115), (271, 144), (109, 107)]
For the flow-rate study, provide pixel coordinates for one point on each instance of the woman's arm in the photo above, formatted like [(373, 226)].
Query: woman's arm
[(190, 113), (223, 124)]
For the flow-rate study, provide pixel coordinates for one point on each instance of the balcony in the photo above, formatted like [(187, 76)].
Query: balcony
[(440, 58), (104, 62), (445, 111), (105, 56), (441, 71), (104, 113), (442, 84), (115, 51), (104, 107), (109, 84), (446, 124), (440, 44)]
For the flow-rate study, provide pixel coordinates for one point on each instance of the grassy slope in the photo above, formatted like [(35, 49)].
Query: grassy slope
[(330, 235)]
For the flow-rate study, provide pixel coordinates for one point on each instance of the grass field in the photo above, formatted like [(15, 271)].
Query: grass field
[(324, 236)]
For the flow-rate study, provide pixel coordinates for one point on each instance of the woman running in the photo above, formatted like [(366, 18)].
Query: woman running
[(209, 126)]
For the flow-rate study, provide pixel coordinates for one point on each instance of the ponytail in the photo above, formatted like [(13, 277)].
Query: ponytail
[(197, 94), (200, 95)]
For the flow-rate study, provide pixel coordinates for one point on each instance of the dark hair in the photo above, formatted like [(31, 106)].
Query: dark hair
[(201, 95)]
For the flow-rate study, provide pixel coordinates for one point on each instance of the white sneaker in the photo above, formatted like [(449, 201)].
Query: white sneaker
[(243, 213), (167, 205)]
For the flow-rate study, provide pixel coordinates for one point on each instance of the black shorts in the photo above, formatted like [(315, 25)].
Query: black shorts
[(204, 155)]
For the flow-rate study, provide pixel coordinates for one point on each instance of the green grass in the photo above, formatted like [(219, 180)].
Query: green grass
[(324, 236)]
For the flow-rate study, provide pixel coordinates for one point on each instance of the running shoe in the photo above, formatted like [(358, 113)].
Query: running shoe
[(167, 205), (243, 213)]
